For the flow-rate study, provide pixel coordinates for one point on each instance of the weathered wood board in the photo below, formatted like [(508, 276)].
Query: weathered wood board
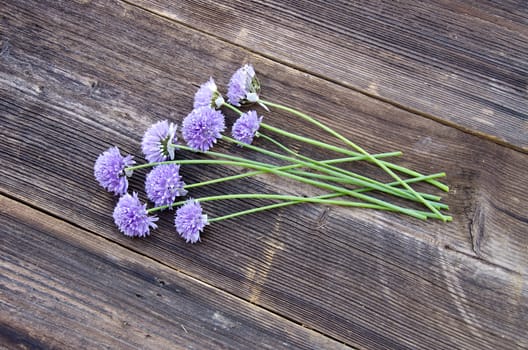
[(367, 279), (62, 287)]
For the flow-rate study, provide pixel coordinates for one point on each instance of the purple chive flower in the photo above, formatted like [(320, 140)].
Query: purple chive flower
[(202, 127), (243, 87), (208, 96), (164, 184), (131, 217), (158, 143), (245, 128), (109, 170), (190, 221)]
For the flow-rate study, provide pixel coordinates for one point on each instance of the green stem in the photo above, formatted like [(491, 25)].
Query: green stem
[(290, 168), (268, 169), (360, 150), (328, 161), (233, 108), (410, 212), (240, 176), (290, 200), (308, 174), (189, 162), (271, 206), (375, 185), (360, 157), (319, 176), (236, 161), (287, 167), (359, 182), (433, 198), (334, 148), (276, 197), (345, 175), (351, 153)]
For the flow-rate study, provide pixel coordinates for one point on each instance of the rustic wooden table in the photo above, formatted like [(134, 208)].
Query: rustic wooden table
[(443, 81)]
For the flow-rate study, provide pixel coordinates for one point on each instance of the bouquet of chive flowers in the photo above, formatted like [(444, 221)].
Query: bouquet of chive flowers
[(205, 125)]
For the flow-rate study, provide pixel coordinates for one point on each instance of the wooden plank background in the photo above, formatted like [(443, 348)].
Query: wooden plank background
[(462, 63), (118, 299), (77, 77)]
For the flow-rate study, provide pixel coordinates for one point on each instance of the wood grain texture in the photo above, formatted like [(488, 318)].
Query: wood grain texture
[(464, 63), (368, 279), (62, 287)]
